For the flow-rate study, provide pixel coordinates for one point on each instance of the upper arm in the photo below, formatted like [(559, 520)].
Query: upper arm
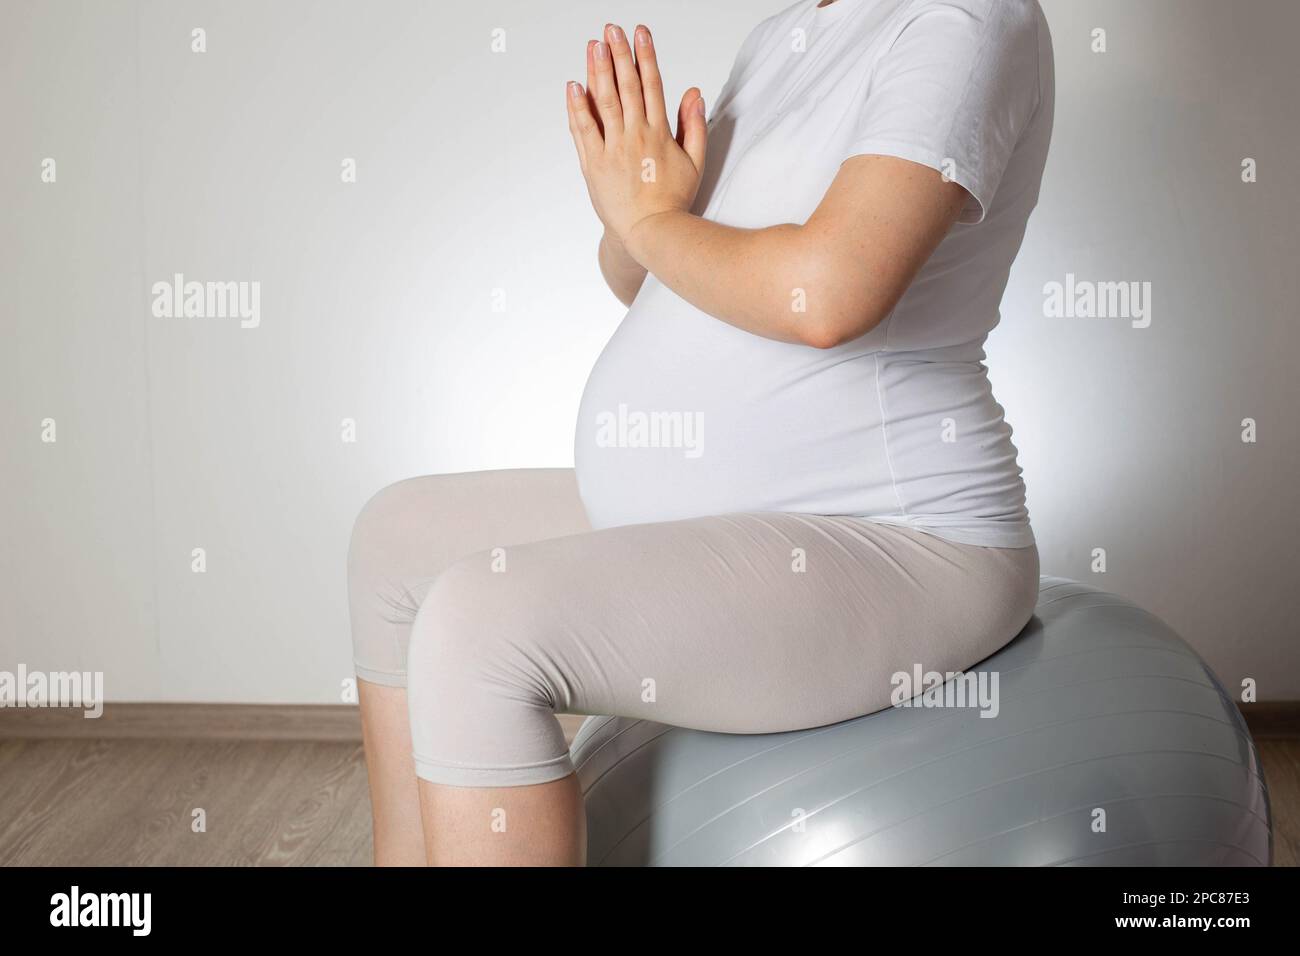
[(878, 223), (945, 106)]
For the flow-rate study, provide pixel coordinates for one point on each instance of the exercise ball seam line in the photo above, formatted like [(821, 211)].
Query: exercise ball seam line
[(1084, 591), (1129, 846), (635, 722), (1085, 806), (583, 734), (1066, 597), (956, 799), (1170, 635), (1038, 661), (1048, 582), (645, 743)]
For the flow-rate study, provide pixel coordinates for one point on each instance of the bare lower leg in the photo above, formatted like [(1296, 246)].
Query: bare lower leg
[(394, 797), (540, 825)]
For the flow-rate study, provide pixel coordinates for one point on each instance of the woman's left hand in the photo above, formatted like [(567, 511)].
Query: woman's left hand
[(634, 167)]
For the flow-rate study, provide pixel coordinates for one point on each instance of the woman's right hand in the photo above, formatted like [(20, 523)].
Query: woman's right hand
[(633, 165)]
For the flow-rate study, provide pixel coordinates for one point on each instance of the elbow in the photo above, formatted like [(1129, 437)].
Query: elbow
[(837, 328), (823, 335), (834, 309)]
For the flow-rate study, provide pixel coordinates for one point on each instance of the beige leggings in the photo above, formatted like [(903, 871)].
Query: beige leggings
[(740, 623)]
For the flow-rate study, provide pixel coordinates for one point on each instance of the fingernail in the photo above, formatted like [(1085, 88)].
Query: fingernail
[(643, 36), (601, 50), (575, 89), (615, 34), (699, 106)]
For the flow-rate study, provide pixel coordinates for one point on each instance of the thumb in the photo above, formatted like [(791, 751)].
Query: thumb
[(692, 129)]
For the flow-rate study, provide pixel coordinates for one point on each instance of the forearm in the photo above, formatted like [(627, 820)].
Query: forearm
[(623, 274), (765, 281)]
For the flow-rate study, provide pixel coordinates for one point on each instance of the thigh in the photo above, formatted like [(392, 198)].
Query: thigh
[(741, 623)]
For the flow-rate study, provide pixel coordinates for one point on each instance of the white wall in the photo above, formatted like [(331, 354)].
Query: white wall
[(175, 434)]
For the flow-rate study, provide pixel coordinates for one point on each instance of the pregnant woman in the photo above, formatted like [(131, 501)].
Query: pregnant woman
[(795, 478)]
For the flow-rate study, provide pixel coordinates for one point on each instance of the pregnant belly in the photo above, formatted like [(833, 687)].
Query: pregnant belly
[(685, 416)]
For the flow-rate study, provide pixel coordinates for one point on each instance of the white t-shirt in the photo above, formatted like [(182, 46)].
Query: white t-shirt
[(685, 415)]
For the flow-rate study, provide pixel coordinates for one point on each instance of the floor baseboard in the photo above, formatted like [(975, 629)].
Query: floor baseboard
[(1273, 719), (1269, 720), (335, 722), (191, 721)]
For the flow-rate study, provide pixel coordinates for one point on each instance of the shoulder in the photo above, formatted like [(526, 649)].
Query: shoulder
[(971, 33), (983, 19)]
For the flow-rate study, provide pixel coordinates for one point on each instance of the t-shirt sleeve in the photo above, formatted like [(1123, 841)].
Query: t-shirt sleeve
[(954, 91)]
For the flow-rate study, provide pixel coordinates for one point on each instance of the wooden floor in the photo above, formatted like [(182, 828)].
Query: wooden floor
[(129, 802), (96, 802), (1281, 760)]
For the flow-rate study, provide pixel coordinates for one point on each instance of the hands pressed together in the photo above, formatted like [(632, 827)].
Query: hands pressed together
[(634, 165)]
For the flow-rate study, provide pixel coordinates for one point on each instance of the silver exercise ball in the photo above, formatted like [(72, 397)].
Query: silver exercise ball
[(1113, 745)]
